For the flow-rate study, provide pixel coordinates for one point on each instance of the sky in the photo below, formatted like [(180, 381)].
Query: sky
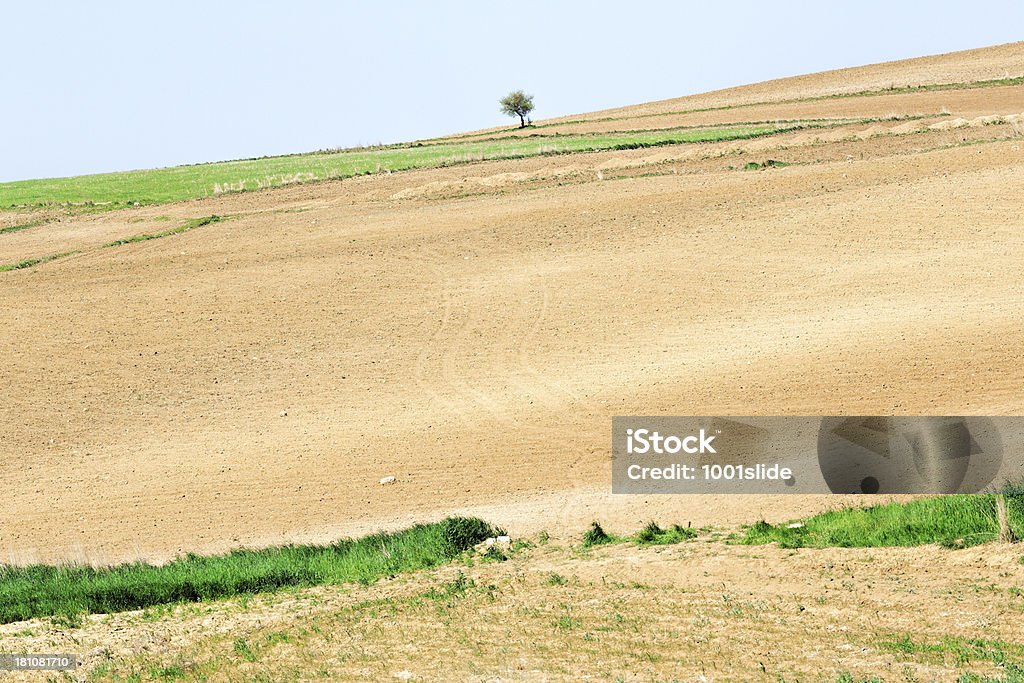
[(104, 86)]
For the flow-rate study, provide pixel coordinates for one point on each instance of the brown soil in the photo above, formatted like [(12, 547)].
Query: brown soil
[(476, 347), (471, 331), (968, 66)]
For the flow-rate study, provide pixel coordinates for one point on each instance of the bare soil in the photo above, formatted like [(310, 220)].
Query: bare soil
[(471, 331), (475, 347)]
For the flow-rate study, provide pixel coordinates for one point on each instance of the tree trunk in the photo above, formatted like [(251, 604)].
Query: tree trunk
[(1006, 534), (522, 121)]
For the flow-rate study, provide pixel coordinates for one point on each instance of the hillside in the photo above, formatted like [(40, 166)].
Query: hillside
[(471, 329), (212, 369)]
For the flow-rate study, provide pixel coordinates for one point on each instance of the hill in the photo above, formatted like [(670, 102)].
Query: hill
[(209, 370), (497, 314)]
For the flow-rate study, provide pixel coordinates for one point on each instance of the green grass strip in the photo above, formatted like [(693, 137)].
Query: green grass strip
[(159, 186), (192, 224), (19, 228), (954, 521), (67, 591), (807, 123), (28, 263)]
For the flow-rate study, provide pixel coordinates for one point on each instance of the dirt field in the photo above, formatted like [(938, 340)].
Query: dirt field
[(472, 330)]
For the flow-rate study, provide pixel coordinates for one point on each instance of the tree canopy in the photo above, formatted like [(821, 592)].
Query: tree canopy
[(517, 103)]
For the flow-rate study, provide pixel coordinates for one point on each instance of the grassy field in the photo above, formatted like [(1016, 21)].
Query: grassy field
[(165, 185), (953, 521), (67, 591)]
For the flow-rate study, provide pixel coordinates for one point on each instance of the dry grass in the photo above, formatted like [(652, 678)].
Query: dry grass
[(615, 612)]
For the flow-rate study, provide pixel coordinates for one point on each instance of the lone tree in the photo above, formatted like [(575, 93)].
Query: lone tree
[(517, 103)]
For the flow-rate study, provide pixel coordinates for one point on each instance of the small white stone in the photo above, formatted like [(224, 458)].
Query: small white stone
[(388, 480), (795, 525), (283, 413)]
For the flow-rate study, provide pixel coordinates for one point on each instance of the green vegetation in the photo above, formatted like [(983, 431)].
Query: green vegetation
[(959, 650), (190, 225), (22, 226), (29, 262), (770, 163), (454, 588), (66, 591), (158, 186), (517, 103), (556, 579), (954, 521), (596, 535), (652, 534), (847, 677)]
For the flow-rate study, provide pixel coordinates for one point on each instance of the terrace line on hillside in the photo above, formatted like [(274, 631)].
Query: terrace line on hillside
[(166, 185)]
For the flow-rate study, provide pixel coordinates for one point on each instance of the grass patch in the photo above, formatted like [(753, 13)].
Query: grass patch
[(960, 651), (652, 534), (954, 521), (29, 262), (1014, 673), (243, 650), (770, 163), (23, 226), (567, 622), (847, 677), (596, 535), (191, 225), (164, 185), (556, 579), (67, 591), (454, 588)]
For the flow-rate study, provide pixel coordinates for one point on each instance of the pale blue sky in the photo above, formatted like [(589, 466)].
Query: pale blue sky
[(100, 86)]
